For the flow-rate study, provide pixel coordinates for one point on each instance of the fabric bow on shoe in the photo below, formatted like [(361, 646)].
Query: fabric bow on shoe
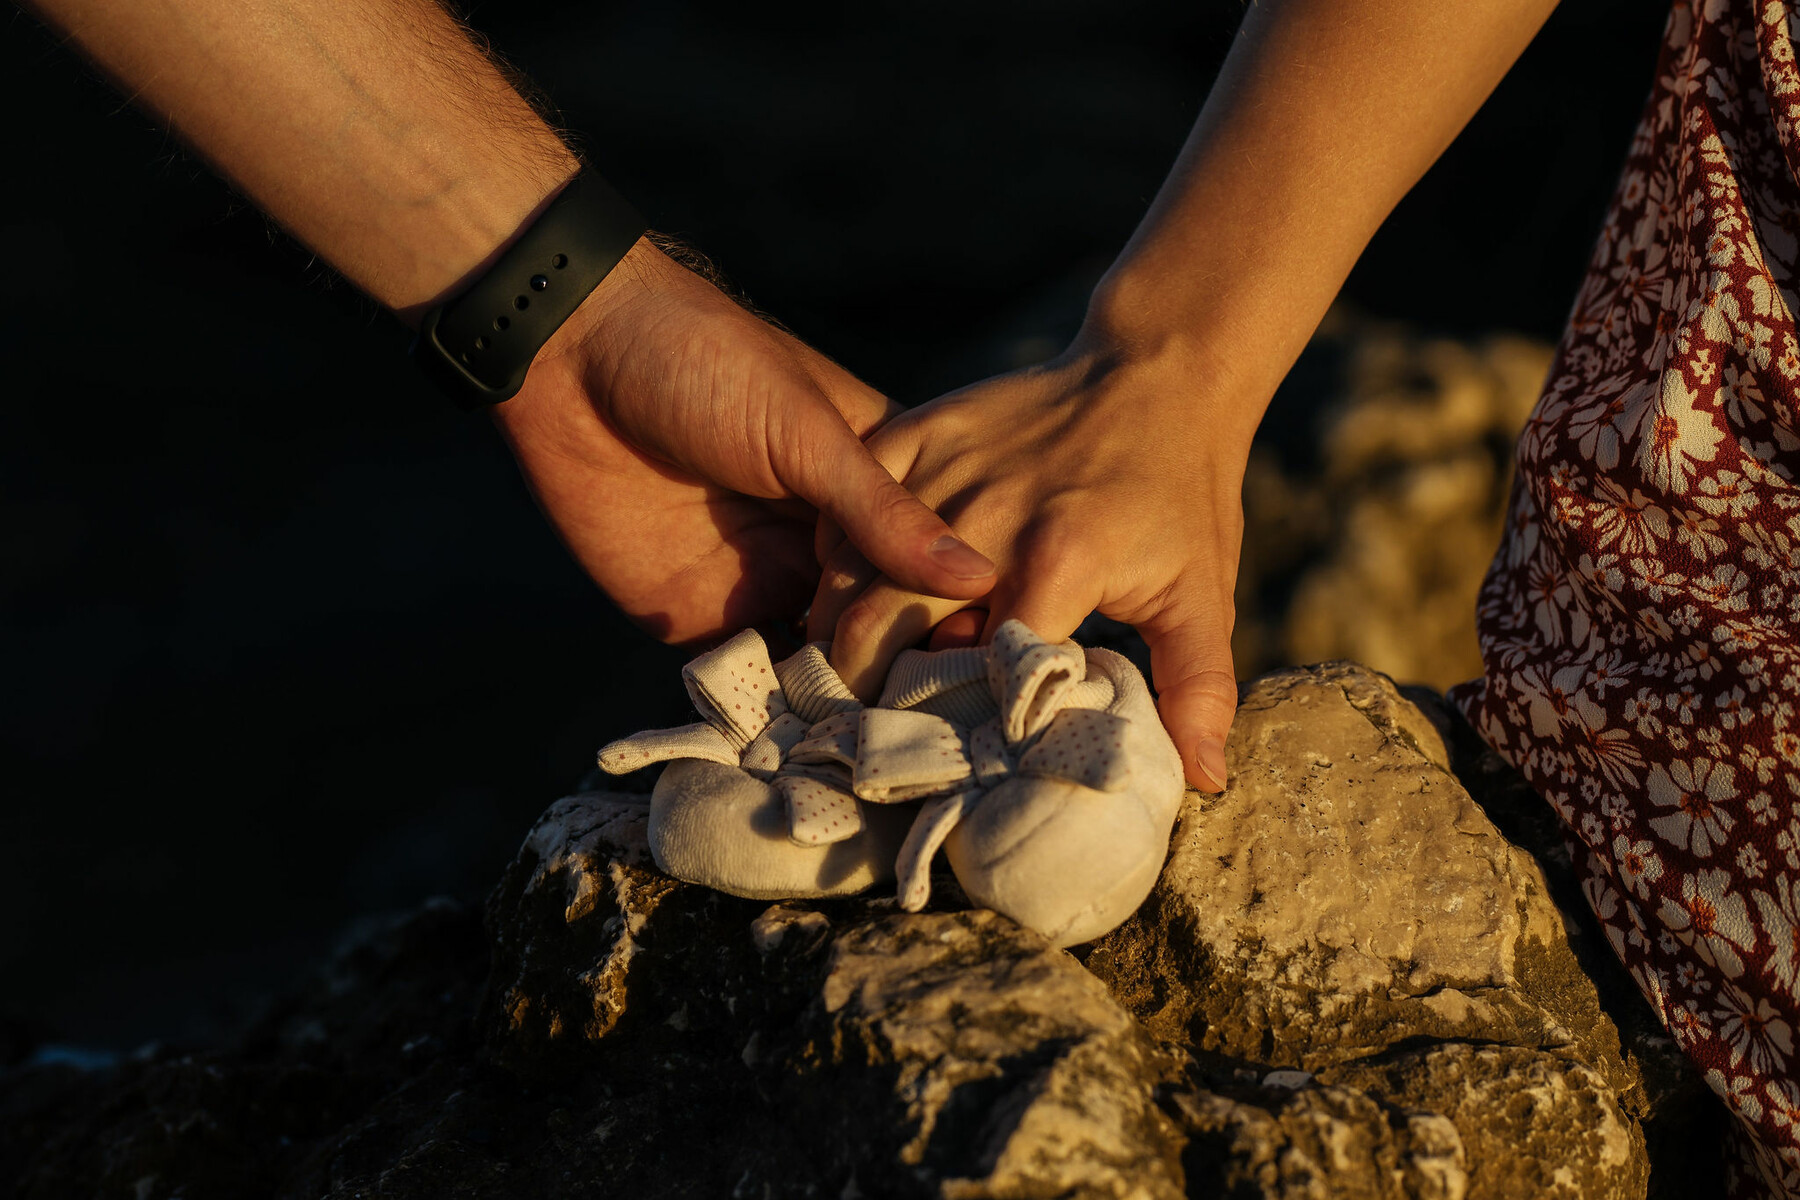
[(1046, 720), (950, 726), (783, 722), (747, 722)]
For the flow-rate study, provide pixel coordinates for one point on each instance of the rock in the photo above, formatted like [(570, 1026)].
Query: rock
[(1345, 893), (1321, 1143), (1453, 1121), (1349, 983), (949, 1054), (1532, 1125), (990, 1064), (1346, 898), (566, 919)]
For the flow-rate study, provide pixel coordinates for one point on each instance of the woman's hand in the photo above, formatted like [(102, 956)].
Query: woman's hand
[(682, 447), (1109, 478), (1099, 481)]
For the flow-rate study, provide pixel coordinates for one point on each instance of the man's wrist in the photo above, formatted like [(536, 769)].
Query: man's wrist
[(566, 365), (463, 228), (640, 275), (479, 345)]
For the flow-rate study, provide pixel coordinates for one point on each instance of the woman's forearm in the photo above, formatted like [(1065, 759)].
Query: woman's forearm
[(375, 132), (1324, 115)]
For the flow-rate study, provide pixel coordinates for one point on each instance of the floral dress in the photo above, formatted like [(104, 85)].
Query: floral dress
[(1640, 625)]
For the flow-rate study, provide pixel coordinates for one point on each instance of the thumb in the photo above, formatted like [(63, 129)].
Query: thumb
[(1196, 693), (863, 408), (894, 530)]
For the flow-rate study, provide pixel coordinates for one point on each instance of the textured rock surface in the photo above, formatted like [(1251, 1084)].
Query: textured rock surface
[(1346, 898), (991, 1065), (1320, 1141), (1531, 1124), (1345, 893), (948, 1054), (1348, 984), (576, 901)]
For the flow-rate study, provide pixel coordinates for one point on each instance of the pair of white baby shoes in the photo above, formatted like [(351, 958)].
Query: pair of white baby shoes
[(1042, 771)]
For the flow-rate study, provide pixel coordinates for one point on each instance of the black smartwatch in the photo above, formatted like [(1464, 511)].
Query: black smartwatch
[(478, 346)]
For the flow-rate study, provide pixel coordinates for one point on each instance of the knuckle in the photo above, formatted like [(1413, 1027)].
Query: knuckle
[(846, 562), (839, 579), (1215, 685), (892, 506), (860, 625), (1056, 559)]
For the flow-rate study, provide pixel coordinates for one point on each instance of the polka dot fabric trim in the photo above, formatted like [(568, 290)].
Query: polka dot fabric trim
[(989, 755), (764, 756), (830, 741), (818, 814), (660, 745), (933, 824), (902, 755), (1085, 746), (736, 689), (1030, 677)]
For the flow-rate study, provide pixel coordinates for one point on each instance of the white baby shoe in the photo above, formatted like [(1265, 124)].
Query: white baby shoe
[(756, 799), (1042, 770), (1057, 810)]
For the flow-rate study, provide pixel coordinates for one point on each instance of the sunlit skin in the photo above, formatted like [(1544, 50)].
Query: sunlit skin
[(713, 545), (680, 446), (683, 449), (1110, 478)]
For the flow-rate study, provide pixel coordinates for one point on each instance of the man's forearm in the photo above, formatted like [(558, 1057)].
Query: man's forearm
[(374, 132), (1325, 114)]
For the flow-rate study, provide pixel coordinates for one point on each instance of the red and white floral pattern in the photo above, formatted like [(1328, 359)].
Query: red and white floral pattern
[(1640, 625)]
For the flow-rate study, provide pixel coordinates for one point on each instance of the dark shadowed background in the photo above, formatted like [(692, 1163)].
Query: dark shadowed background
[(283, 639)]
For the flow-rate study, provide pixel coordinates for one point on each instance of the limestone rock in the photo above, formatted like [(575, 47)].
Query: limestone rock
[(1320, 1143), (997, 1065), (1346, 893), (1346, 898), (1533, 1126), (1348, 984), (566, 919), (942, 1054)]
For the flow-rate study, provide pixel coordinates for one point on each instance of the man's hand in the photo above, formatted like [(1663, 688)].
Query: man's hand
[(681, 448), (1094, 492), (676, 441)]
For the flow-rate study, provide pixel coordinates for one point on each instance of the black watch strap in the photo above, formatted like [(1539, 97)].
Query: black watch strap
[(478, 346)]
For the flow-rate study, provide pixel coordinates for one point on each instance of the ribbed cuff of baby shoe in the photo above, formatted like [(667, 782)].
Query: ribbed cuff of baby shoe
[(813, 690), (1096, 691), (951, 684)]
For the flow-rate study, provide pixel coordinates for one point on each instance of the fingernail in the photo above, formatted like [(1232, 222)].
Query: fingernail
[(960, 559), (1211, 759)]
